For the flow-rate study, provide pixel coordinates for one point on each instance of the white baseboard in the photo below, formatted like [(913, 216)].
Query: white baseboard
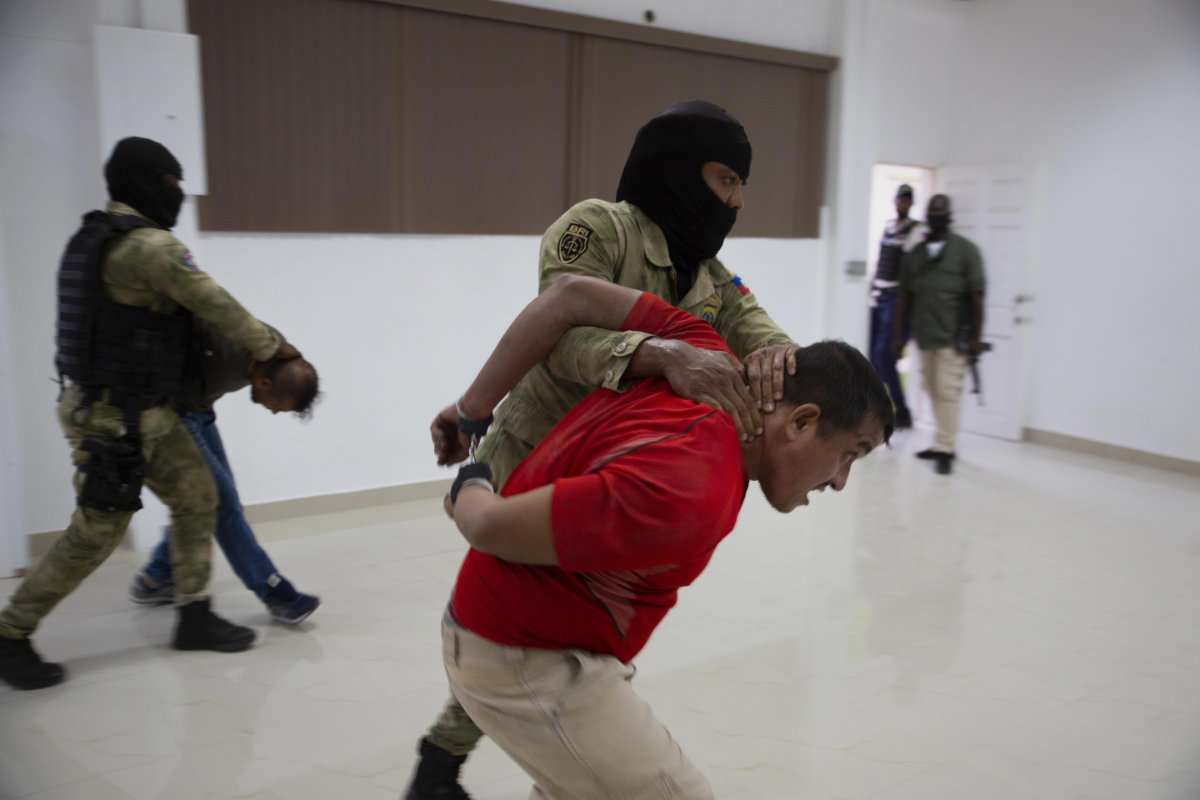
[(1127, 455), (39, 543)]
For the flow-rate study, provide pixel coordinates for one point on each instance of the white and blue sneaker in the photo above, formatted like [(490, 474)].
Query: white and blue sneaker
[(287, 605)]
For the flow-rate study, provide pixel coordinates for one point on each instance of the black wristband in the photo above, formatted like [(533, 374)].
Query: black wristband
[(466, 473), (472, 427)]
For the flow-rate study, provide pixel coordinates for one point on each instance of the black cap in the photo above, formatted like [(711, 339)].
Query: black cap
[(904, 191)]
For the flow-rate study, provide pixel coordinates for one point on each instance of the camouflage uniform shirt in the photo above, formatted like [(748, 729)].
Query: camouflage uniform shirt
[(618, 243), (150, 268)]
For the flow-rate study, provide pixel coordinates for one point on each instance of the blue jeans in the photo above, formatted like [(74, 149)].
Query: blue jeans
[(883, 317), (233, 534)]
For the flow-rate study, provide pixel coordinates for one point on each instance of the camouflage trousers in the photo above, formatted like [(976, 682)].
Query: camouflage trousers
[(176, 473), (454, 731)]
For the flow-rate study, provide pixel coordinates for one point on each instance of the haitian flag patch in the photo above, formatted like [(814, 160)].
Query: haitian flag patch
[(189, 261), (741, 287)]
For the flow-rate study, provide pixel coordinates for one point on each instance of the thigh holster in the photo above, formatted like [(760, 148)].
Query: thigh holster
[(114, 473)]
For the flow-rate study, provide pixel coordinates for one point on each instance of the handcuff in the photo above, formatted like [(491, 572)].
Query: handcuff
[(471, 473)]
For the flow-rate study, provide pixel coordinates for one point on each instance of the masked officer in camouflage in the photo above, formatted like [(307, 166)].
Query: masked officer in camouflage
[(678, 199), (127, 294)]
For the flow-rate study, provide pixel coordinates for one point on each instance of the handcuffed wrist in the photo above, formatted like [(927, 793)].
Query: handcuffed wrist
[(469, 426), (484, 482), (470, 474)]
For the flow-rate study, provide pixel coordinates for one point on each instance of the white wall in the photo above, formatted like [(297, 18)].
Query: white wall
[(50, 174), (393, 332), (395, 324), (889, 105), (1103, 97), (11, 556)]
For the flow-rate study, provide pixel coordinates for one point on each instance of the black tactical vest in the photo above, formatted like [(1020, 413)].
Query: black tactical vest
[(105, 343), (891, 251)]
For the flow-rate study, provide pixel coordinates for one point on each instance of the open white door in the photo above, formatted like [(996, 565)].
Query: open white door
[(992, 206)]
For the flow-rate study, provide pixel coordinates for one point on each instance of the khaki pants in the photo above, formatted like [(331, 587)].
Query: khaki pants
[(177, 474), (571, 720), (942, 372)]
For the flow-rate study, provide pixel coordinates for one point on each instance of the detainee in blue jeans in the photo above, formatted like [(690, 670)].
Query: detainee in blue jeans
[(251, 563), (278, 385)]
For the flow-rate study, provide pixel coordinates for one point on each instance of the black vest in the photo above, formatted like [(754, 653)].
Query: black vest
[(105, 343), (891, 251)]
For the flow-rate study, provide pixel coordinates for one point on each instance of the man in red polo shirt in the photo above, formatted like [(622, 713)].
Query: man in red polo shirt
[(581, 556)]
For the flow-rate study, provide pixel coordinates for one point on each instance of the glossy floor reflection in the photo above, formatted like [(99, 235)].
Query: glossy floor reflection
[(1025, 629)]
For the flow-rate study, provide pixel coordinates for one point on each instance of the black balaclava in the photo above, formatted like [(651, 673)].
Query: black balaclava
[(662, 178), (938, 222), (134, 173)]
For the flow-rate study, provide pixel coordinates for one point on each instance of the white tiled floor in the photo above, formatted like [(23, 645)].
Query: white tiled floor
[(1026, 629)]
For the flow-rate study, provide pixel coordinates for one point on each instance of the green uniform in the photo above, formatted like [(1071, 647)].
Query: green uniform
[(614, 242), (935, 288), (617, 243), (148, 268)]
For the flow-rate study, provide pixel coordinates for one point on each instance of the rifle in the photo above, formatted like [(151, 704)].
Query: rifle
[(973, 365), (962, 344)]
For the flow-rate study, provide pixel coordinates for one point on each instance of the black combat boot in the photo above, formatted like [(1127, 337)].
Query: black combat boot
[(21, 666), (198, 628), (436, 777)]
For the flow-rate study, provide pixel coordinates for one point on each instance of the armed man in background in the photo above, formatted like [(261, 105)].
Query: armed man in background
[(941, 287), (900, 236), (127, 293)]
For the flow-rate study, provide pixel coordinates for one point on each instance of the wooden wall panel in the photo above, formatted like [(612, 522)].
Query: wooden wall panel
[(626, 83), (298, 114), (380, 117), (484, 108), (811, 147)]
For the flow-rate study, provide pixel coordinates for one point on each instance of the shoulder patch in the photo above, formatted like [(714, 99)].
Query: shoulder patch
[(574, 242), (741, 287), (189, 261)]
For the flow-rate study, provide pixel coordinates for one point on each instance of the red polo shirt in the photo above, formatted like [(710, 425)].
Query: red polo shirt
[(646, 484)]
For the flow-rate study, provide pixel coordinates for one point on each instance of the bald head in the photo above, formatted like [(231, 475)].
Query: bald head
[(285, 385)]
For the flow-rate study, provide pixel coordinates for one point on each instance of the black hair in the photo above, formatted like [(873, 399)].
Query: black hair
[(304, 389), (840, 381)]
